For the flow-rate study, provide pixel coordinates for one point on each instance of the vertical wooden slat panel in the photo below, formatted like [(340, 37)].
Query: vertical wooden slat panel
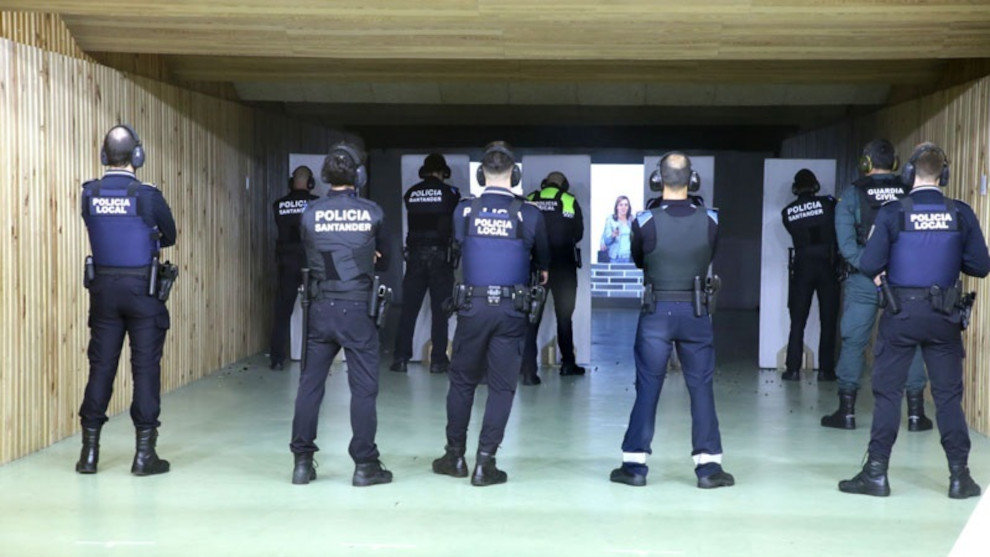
[(958, 119), (55, 107)]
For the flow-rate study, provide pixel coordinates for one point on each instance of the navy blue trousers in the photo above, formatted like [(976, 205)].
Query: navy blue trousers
[(655, 337), (289, 278), (336, 325), (940, 339), (120, 305), (562, 284), (488, 339), (426, 270)]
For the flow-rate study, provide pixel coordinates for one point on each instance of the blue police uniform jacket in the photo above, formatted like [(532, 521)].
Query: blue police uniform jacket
[(341, 233), (498, 231), (127, 221), (925, 239)]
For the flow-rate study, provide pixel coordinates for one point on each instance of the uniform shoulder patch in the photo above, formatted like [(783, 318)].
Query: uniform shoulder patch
[(643, 217), (713, 214)]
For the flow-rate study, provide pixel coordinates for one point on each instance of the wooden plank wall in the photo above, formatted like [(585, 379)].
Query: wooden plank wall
[(202, 152), (957, 119)]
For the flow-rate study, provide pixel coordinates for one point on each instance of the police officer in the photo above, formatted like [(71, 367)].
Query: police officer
[(854, 215), (810, 220), (345, 243), (674, 244), (922, 242), (290, 256), (128, 223), (565, 228), (498, 232), (429, 207)]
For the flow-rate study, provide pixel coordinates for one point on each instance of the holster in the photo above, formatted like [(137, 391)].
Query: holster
[(888, 299), (646, 301), (712, 285), (538, 298), (89, 272), (379, 300), (460, 298), (166, 275), (965, 305)]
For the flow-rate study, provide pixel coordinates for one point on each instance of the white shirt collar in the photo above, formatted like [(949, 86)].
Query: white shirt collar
[(926, 188), (116, 172)]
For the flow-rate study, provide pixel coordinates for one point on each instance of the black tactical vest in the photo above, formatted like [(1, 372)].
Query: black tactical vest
[(683, 249), (874, 191), (339, 238)]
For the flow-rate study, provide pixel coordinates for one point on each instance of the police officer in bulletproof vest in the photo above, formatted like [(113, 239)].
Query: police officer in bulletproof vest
[(565, 228), (429, 261), (345, 243), (854, 215), (922, 242), (499, 235), (128, 223), (290, 257), (810, 220), (674, 244)]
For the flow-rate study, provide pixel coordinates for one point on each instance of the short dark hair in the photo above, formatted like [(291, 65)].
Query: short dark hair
[(340, 166), (929, 163), (497, 159), (881, 153), (675, 170), (119, 146)]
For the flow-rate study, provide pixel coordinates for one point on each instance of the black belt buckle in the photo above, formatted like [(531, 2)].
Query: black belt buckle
[(494, 295)]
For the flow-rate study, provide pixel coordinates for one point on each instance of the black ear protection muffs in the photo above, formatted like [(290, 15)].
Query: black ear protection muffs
[(360, 171), (866, 164), (136, 156), (656, 180), (907, 175), (805, 181), (499, 148), (433, 163), (563, 185), (310, 184)]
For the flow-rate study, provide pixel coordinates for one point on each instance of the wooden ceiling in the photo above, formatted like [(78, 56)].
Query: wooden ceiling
[(434, 45)]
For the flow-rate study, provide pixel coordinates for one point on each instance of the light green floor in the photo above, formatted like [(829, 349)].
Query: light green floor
[(229, 491)]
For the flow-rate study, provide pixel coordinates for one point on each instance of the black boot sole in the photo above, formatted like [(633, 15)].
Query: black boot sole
[(788, 376), (964, 495), (914, 425), (487, 482), (634, 480), (453, 473), (85, 470), (368, 482), (142, 473), (860, 490), (296, 480), (847, 423)]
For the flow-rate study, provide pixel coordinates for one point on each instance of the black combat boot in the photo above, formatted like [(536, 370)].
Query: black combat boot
[(452, 463), (623, 475), (146, 461), (570, 368), (370, 473), (401, 365), (792, 375), (485, 472), (90, 454), (845, 416), (721, 478), (439, 367), (917, 421), (827, 376), (304, 470), (531, 379), (872, 480), (961, 484)]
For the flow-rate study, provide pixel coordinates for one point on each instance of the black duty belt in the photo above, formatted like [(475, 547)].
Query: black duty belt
[(427, 247), (143, 272), (912, 293), (673, 295), (491, 291), (353, 295)]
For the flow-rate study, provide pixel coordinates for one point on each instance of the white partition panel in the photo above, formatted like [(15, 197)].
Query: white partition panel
[(577, 168), (778, 175), (410, 176)]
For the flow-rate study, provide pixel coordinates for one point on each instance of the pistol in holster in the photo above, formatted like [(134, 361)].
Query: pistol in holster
[(305, 292), (454, 254), (647, 303), (888, 298), (379, 301), (953, 302), (537, 299), (965, 305), (460, 298), (167, 273), (712, 285), (89, 274)]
